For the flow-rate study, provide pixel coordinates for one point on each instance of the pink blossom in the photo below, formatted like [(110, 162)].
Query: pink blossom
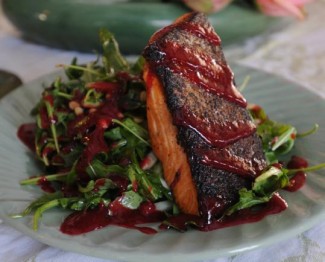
[(207, 6), (283, 7)]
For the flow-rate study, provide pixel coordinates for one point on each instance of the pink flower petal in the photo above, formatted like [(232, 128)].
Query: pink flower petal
[(283, 7)]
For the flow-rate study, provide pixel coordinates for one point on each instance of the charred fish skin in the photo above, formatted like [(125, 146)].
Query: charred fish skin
[(200, 94), (247, 152), (217, 189)]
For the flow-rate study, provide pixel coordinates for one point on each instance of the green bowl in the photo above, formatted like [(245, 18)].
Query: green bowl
[(74, 24)]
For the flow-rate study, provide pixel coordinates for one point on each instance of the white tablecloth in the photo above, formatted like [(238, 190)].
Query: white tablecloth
[(296, 52)]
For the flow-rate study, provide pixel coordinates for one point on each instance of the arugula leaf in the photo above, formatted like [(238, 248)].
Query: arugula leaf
[(135, 129), (73, 73), (98, 169), (38, 203), (50, 111), (247, 198), (131, 199), (144, 182), (114, 133), (285, 137), (53, 177), (137, 67), (265, 185), (43, 203), (134, 138), (40, 210), (47, 150), (101, 186), (78, 205), (313, 130), (112, 58), (277, 138), (263, 189), (89, 187), (92, 99), (270, 181), (70, 158), (306, 169)]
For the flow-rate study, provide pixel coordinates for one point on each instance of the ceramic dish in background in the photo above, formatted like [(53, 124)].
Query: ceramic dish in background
[(74, 24)]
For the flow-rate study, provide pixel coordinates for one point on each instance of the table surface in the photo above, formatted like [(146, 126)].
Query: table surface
[(295, 52)]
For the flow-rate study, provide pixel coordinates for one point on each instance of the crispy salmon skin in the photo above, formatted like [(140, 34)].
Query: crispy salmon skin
[(199, 126)]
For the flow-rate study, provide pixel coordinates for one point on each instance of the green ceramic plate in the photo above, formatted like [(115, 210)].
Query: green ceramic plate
[(284, 101), (74, 24)]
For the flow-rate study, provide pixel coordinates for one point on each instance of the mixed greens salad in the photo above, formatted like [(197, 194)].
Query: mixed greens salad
[(92, 140)]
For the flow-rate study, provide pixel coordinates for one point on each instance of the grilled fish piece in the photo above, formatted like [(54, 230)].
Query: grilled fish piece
[(199, 126)]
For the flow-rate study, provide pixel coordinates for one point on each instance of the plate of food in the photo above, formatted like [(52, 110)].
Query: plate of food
[(163, 158)]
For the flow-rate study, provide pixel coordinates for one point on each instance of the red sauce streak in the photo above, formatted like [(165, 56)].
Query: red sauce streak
[(196, 66), (82, 124), (211, 207), (85, 221), (125, 76), (45, 185), (202, 70), (299, 179), (135, 186), (98, 184), (148, 161), (277, 165), (145, 163), (201, 32), (95, 145), (274, 206), (120, 181), (105, 87), (47, 151), (58, 160), (91, 128), (251, 215), (297, 162), (297, 182), (26, 134), (256, 109), (45, 121), (77, 96), (70, 190), (221, 159), (49, 99), (212, 130)]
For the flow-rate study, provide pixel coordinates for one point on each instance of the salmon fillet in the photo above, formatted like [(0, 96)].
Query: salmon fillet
[(198, 123)]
